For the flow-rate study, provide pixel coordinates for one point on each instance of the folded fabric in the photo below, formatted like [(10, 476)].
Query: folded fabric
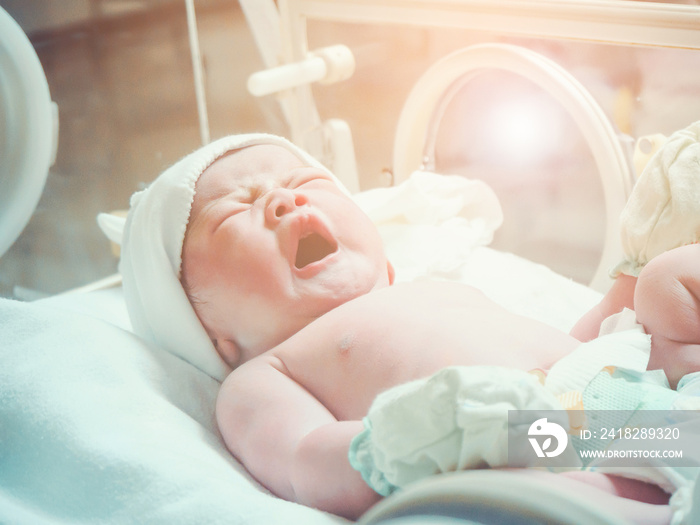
[(457, 419), (663, 211), (431, 223)]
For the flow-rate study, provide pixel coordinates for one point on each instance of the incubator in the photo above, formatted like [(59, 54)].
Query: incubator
[(544, 100), (552, 106), (504, 108)]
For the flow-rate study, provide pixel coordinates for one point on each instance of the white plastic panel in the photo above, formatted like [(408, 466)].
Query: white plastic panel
[(28, 130)]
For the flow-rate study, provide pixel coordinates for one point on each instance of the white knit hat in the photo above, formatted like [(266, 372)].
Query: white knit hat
[(152, 237)]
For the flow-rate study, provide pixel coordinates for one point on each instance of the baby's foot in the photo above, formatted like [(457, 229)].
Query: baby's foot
[(663, 211)]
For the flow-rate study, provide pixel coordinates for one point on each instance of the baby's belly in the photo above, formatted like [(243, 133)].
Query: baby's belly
[(406, 332)]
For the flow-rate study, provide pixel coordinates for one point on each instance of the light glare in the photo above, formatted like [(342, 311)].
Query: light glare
[(522, 132)]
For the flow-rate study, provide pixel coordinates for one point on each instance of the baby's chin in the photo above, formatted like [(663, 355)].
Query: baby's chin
[(347, 279), (338, 295), (315, 301)]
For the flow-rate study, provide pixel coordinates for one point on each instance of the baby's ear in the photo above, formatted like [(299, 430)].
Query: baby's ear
[(228, 350)]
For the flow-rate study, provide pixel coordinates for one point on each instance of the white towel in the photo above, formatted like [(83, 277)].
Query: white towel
[(432, 222)]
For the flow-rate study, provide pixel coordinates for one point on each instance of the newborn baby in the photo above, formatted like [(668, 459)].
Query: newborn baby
[(286, 283)]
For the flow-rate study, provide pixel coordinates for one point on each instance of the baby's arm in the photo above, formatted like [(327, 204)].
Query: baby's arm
[(289, 441)]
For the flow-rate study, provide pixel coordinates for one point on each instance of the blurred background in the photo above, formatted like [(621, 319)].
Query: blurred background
[(121, 74)]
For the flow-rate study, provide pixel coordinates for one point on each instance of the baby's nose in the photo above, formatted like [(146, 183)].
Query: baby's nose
[(282, 201)]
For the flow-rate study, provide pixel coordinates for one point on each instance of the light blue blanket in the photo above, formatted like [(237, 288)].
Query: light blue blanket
[(98, 427)]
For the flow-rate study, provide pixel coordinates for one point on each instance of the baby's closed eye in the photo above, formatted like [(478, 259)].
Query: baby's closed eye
[(252, 195)]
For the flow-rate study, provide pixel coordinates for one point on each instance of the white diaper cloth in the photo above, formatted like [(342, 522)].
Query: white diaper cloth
[(152, 240), (621, 343), (663, 211)]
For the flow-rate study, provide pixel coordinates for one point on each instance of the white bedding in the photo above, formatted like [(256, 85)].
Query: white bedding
[(98, 426)]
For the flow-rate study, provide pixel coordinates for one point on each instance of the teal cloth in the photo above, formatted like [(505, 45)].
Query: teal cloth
[(362, 460)]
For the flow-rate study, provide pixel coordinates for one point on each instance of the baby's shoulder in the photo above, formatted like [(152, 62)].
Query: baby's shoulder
[(240, 394), (250, 373)]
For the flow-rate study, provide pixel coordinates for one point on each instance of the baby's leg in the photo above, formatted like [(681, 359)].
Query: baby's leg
[(667, 303)]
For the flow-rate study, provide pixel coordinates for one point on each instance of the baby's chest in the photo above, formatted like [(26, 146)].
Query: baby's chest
[(348, 372), (348, 358)]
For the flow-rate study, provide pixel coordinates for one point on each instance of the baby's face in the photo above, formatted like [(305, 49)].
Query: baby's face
[(273, 244)]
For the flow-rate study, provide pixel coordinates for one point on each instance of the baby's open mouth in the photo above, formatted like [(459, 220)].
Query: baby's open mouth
[(313, 248)]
